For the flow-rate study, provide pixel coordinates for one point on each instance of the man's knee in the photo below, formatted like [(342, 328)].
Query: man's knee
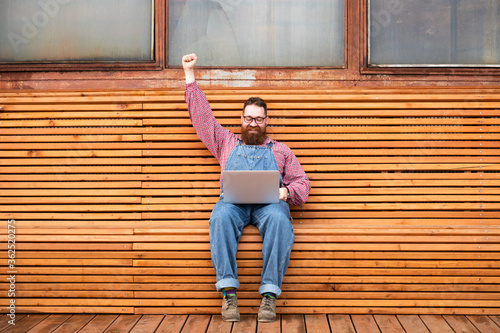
[(275, 218), (278, 212), (224, 214), (281, 215), (221, 209)]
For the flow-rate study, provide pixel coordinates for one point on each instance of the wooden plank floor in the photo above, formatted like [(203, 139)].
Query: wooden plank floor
[(72, 323)]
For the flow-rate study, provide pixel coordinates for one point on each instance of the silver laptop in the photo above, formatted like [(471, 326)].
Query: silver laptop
[(251, 187)]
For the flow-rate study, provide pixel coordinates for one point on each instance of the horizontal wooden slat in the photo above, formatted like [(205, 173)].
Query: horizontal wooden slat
[(245, 302), (343, 220), (320, 273), (343, 136), (306, 112), (295, 265), (75, 309), (490, 162), (325, 295), (175, 207), (321, 229), (70, 138), (70, 200), (255, 238), (71, 188), (316, 310), (107, 179), (70, 107), (350, 123), (65, 122), (74, 115), (344, 152), (249, 288), (181, 256), (348, 167), (62, 169), (69, 154), (336, 105), (64, 143), (241, 95), (316, 263), (74, 131)]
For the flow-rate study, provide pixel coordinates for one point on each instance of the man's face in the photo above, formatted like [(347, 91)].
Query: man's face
[(253, 133)]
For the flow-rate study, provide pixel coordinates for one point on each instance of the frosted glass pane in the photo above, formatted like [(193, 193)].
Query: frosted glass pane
[(434, 32), (76, 30), (257, 32)]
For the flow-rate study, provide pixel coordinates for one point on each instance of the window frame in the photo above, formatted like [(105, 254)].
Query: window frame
[(434, 69), (156, 64)]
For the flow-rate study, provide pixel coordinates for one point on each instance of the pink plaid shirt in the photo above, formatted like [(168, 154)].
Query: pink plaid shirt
[(221, 141)]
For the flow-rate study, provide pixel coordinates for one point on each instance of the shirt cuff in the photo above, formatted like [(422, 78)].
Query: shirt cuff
[(191, 85)]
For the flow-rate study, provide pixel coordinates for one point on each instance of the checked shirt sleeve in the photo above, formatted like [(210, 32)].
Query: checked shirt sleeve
[(210, 132), (294, 176)]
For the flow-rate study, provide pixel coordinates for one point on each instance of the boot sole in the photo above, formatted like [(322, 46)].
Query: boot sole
[(230, 319), (262, 320)]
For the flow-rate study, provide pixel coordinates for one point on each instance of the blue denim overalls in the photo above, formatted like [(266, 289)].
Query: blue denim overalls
[(273, 221)]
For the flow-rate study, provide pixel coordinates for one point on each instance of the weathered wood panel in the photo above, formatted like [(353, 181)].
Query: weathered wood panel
[(111, 192)]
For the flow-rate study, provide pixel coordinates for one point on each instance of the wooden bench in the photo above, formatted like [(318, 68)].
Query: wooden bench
[(111, 192)]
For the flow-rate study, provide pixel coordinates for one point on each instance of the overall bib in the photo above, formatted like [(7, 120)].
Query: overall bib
[(273, 221)]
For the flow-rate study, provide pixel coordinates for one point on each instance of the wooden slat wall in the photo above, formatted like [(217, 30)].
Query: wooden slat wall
[(111, 194)]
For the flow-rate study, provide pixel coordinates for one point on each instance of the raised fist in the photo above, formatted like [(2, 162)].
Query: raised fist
[(189, 61)]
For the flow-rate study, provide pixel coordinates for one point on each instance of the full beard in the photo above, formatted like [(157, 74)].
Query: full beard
[(254, 139)]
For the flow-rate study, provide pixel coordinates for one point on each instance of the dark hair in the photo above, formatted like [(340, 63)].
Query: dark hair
[(256, 101)]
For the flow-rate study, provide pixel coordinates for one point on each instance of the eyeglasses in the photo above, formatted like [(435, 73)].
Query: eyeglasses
[(258, 120)]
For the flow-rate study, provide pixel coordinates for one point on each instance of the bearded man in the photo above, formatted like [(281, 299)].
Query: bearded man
[(228, 220)]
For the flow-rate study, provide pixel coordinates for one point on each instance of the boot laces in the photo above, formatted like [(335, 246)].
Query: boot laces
[(230, 301), (267, 301)]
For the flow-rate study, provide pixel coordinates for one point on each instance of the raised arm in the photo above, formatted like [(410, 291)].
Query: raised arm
[(188, 63), (210, 132)]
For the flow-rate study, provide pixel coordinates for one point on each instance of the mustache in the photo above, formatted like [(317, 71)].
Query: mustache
[(252, 128), (253, 138)]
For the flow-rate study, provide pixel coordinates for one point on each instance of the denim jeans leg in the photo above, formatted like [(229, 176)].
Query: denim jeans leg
[(273, 222), (226, 226)]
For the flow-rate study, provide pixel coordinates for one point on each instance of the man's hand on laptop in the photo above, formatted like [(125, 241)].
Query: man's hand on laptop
[(284, 193)]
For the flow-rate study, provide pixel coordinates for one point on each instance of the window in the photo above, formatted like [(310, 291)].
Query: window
[(258, 32), (78, 32), (434, 33)]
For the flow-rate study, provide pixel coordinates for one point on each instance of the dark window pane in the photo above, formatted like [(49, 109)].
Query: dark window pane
[(434, 32), (76, 30)]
